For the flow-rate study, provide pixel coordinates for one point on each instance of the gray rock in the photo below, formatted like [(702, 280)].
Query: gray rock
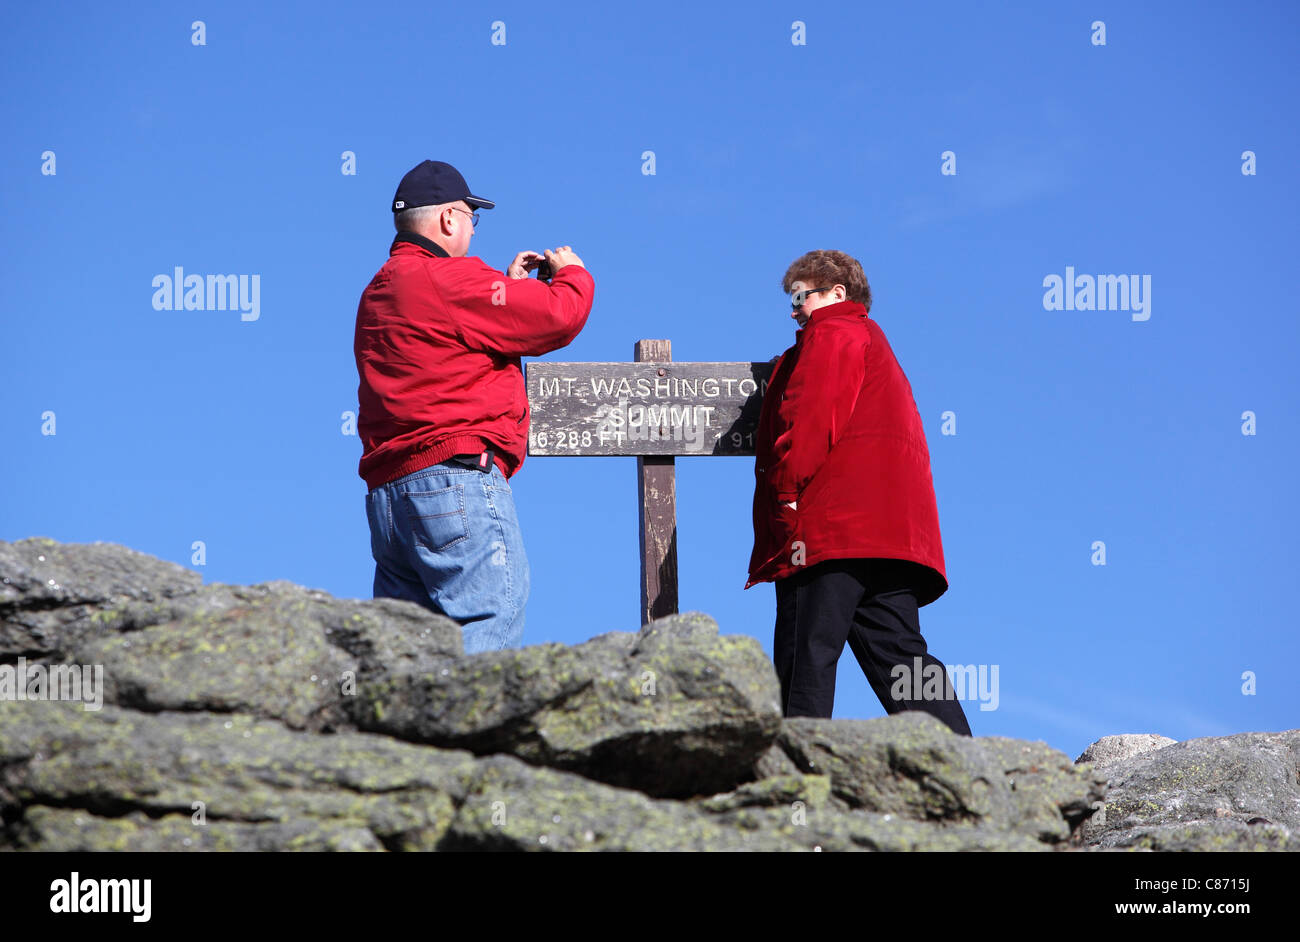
[(911, 765), (674, 710), (125, 780), (274, 717), (1238, 792), (1111, 749), (49, 590)]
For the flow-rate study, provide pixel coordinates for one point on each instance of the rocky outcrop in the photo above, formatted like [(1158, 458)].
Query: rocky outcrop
[(1237, 792), (273, 717), (673, 711)]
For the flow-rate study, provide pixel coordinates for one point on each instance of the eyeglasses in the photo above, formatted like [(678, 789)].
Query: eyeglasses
[(797, 299), (473, 217)]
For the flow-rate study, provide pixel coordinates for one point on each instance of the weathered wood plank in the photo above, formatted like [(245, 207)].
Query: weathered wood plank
[(645, 408), (656, 484)]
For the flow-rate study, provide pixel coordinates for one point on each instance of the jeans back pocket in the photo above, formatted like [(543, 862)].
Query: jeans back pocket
[(437, 518)]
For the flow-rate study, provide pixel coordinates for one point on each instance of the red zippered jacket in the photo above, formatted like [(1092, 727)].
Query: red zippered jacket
[(840, 435), (438, 345)]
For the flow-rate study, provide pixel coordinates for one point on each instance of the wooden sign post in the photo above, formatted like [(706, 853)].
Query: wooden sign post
[(656, 410), (656, 490)]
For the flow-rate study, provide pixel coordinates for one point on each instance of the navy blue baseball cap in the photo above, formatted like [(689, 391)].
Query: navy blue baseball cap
[(434, 182)]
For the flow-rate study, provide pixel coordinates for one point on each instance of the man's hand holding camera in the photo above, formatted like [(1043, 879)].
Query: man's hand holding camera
[(551, 262)]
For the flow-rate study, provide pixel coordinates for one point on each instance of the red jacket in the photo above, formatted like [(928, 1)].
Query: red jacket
[(839, 433), (438, 342)]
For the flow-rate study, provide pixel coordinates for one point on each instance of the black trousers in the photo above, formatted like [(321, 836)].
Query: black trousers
[(869, 603)]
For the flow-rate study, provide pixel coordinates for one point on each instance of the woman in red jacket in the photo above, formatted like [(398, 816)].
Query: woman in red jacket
[(845, 519)]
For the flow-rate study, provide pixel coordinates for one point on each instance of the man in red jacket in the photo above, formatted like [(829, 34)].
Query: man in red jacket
[(845, 518), (444, 413)]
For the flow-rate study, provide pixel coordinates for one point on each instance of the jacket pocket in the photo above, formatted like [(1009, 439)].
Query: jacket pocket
[(784, 524), (437, 518)]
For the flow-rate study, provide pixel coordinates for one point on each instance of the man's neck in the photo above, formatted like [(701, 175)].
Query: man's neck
[(406, 235)]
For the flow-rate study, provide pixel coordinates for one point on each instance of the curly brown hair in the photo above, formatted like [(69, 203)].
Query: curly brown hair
[(826, 267)]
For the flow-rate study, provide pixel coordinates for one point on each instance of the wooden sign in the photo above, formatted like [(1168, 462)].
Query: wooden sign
[(655, 409), (645, 408)]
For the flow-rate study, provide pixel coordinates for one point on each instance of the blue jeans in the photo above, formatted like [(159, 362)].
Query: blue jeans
[(447, 537)]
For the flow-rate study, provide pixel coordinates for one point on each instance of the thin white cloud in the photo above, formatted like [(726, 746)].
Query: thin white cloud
[(991, 178), (1073, 721)]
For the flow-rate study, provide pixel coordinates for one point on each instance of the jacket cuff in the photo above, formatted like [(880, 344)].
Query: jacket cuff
[(576, 268)]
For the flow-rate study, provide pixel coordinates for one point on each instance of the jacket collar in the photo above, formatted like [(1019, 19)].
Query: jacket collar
[(416, 239), (837, 310)]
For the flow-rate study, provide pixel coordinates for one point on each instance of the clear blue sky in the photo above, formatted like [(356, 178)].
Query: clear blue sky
[(1072, 426)]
